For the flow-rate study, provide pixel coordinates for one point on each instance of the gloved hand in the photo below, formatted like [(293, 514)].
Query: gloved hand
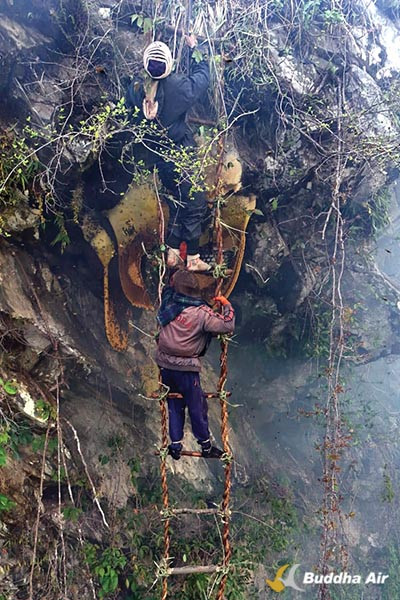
[(222, 300), (191, 40)]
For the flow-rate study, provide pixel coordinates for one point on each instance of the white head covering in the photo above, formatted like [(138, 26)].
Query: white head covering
[(158, 51)]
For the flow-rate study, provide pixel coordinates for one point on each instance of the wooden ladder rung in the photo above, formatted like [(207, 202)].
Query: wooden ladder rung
[(192, 569), (195, 511), (208, 395), (190, 453), (196, 454)]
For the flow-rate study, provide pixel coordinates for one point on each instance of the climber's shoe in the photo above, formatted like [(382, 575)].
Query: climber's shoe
[(213, 452), (209, 451), (195, 264), (175, 450), (174, 260)]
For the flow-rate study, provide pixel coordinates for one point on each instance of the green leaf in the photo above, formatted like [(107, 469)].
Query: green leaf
[(10, 387), (38, 443), (134, 18), (3, 457), (274, 203), (147, 24), (71, 513), (254, 211), (6, 503), (197, 55)]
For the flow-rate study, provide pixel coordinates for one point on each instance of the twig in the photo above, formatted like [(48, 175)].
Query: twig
[(39, 508), (95, 499), (264, 281)]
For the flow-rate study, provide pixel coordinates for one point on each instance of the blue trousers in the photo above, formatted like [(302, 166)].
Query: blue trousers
[(185, 218), (186, 383)]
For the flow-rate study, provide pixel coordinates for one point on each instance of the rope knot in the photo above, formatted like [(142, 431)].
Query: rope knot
[(220, 271), (166, 513), (164, 453), (223, 394), (224, 514), (162, 568), (224, 570), (227, 458)]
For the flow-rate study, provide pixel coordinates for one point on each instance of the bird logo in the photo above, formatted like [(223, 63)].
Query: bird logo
[(279, 584)]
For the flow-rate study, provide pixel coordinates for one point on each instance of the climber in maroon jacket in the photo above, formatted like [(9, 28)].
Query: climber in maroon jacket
[(187, 325)]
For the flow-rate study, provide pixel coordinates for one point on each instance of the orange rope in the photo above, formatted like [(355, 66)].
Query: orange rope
[(222, 395), (163, 411), (164, 485)]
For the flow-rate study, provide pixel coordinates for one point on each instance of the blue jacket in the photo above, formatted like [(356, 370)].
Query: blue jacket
[(176, 94)]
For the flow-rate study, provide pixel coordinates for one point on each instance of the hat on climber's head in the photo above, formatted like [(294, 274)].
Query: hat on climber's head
[(186, 283), (157, 60)]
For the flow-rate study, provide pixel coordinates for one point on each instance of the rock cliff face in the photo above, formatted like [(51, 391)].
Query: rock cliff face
[(312, 98)]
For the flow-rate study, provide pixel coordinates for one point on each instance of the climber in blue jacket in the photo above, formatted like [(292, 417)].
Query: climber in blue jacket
[(166, 98)]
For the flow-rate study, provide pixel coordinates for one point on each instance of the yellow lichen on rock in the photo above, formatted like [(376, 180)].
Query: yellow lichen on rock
[(230, 175), (104, 248), (235, 217), (149, 377), (98, 239), (231, 172), (135, 215), (116, 335), (135, 221), (235, 214)]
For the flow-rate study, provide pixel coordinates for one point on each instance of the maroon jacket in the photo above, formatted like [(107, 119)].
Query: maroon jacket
[(183, 340)]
